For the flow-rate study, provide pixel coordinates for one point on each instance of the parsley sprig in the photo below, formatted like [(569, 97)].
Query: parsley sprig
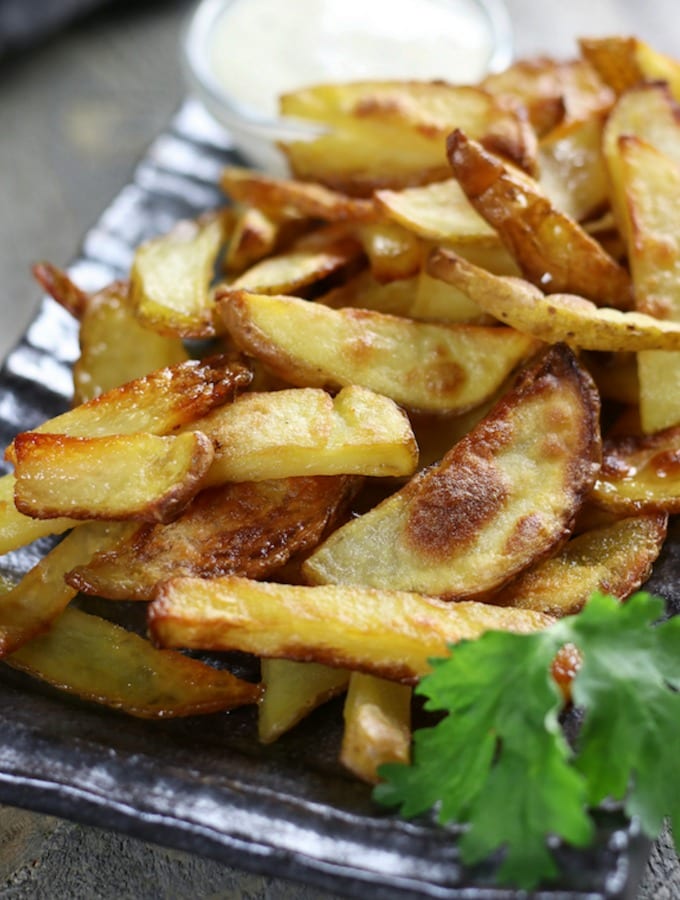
[(499, 762)]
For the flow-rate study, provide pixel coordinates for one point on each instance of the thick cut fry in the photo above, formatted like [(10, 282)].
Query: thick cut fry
[(438, 212), (305, 431), (363, 291), (552, 250), (640, 473), (283, 197), (158, 403), (391, 134), (255, 236), (39, 598), (624, 62), (391, 634), (171, 276), (292, 690), (377, 718), (103, 663), (503, 498), (427, 367), (140, 476), (251, 529), (554, 317), (614, 559), (650, 183), (393, 252)]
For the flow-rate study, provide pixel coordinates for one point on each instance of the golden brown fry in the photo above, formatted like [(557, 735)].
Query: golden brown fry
[(171, 276), (377, 717), (31, 606), (103, 663), (640, 473), (305, 431), (391, 634), (292, 690), (503, 498), (158, 403), (422, 366), (143, 477), (391, 134), (283, 197), (17, 530), (255, 235), (555, 317), (393, 252), (59, 286), (615, 559), (251, 529), (552, 250)]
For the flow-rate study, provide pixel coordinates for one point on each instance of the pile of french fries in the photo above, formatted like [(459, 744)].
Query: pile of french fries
[(438, 393)]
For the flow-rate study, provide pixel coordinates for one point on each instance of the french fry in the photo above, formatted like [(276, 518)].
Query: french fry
[(391, 634), (468, 525), (251, 529), (171, 275), (640, 473), (390, 134), (305, 431), (393, 252), (377, 716), (103, 663), (624, 62), (614, 559), (292, 690), (421, 366), (552, 250), (555, 317), (159, 403), (142, 477), (30, 607)]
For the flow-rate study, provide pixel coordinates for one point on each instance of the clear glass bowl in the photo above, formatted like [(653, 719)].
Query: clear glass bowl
[(269, 53)]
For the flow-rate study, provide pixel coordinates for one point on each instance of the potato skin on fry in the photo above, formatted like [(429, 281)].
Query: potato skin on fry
[(391, 634), (503, 497)]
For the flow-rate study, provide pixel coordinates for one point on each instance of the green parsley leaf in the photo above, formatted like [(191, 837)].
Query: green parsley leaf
[(498, 760)]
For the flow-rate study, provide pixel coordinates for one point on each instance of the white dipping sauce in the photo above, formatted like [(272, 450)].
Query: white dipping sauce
[(259, 49)]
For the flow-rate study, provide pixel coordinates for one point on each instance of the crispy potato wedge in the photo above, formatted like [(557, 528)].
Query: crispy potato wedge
[(552, 250), (614, 559), (502, 498), (143, 477), (422, 366), (624, 62), (255, 236), (572, 169), (305, 431), (158, 403), (391, 634), (389, 134), (114, 347), (554, 317), (640, 473), (32, 605), (251, 529), (438, 212), (290, 198), (171, 276), (291, 691), (439, 301), (553, 91), (377, 717), (301, 266), (103, 663)]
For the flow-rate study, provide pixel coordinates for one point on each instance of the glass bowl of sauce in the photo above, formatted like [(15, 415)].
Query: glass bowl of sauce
[(240, 55)]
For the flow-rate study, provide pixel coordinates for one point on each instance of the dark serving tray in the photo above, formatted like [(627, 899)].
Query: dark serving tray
[(205, 784)]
